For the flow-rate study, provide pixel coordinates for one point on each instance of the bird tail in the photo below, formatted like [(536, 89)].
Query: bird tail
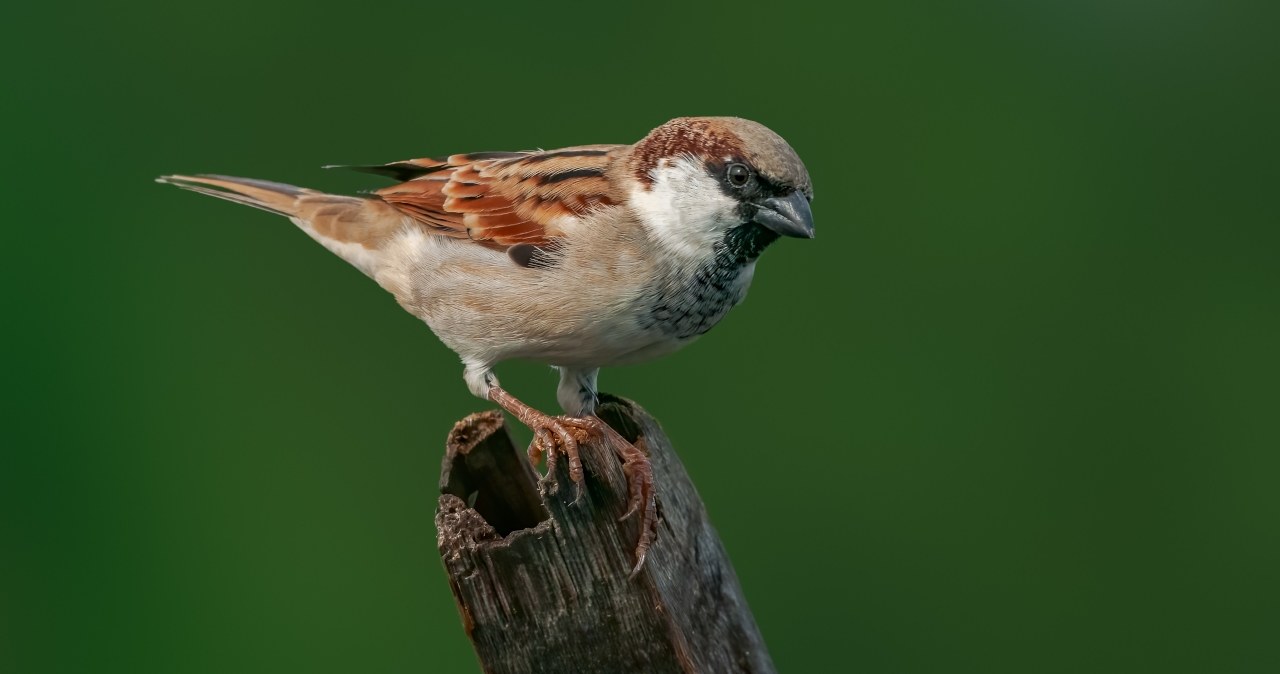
[(354, 228), (272, 197)]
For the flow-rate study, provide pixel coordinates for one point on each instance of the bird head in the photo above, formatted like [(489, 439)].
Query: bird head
[(702, 179)]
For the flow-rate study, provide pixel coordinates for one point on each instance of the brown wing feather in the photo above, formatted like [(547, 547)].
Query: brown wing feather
[(504, 199)]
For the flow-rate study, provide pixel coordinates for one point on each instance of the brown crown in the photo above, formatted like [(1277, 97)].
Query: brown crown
[(721, 139)]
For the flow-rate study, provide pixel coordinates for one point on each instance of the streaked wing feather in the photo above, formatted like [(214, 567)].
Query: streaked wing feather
[(501, 199)]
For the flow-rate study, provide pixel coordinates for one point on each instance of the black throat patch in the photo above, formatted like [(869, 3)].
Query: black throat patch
[(744, 243), (693, 305)]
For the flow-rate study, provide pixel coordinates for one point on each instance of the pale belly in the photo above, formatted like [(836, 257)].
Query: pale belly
[(584, 313)]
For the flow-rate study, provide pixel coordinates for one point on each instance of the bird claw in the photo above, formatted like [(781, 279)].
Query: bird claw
[(555, 435), (641, 495), (641, 500), (551, 438), (544, 444)]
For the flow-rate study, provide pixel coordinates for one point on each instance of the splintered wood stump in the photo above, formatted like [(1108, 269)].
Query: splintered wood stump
[(542, 581)]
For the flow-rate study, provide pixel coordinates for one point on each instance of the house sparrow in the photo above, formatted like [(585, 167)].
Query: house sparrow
[(580, 257)]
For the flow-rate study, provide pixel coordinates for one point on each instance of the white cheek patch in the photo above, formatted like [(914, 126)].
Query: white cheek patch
[(685, 208)]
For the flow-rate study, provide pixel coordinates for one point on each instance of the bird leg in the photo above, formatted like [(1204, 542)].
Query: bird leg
[(553, 435)]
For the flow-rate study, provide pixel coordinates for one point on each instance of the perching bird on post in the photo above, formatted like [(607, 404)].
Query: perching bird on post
[(580, 258)]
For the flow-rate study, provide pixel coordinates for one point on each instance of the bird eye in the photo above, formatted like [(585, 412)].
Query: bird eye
[(738, 174)]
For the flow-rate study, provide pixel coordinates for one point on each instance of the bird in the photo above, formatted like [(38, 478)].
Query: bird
[(580, 258)]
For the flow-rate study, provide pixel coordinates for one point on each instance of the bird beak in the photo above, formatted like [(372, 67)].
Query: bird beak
[(788, 216)]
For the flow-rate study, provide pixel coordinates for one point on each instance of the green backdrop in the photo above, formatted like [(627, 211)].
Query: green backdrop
[(1013, 410)]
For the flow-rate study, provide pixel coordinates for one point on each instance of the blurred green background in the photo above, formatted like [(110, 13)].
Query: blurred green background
[(1019, 396)]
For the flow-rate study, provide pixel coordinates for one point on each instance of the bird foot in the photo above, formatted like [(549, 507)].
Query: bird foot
[(639, 472), (553, 436), (563, 435), (641, 498)]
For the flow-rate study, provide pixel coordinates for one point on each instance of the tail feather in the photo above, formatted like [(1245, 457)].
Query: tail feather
[(272, 197), (354, 228)]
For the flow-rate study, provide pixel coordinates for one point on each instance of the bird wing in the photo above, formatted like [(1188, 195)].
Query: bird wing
[(502, 199)]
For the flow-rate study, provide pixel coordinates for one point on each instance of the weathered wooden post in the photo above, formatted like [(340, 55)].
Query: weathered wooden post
[(542, 582)]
